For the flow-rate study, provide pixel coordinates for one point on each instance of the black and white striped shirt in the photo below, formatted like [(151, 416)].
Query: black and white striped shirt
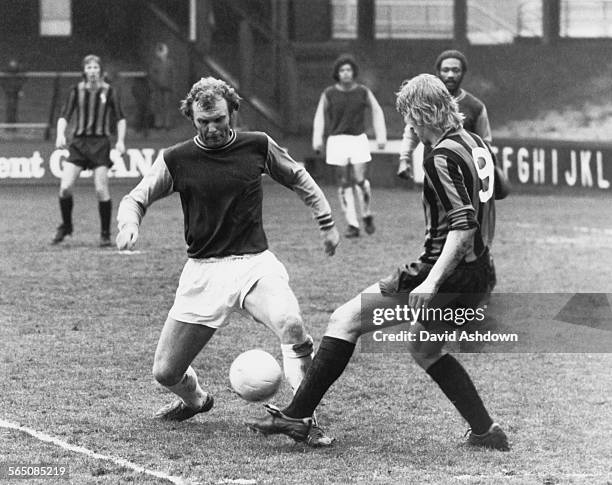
[(458, 193), (93, 109)]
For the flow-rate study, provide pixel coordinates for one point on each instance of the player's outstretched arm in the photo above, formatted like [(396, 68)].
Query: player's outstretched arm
[(378, 121), (60, 138), (331, 239), (156, 184), (455, 248), (502, 184), (121, 130), (409, 143), (126, 239), (286, 171), (318, 125)]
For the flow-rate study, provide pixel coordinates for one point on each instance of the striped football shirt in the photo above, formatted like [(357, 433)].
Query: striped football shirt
[(93, 109), (458, 193)]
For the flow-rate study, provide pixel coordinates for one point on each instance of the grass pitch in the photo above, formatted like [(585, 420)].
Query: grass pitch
[(79, 326)]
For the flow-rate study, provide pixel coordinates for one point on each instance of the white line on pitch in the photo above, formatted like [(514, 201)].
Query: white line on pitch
[(583, 229), (511, 477), (92, 454)]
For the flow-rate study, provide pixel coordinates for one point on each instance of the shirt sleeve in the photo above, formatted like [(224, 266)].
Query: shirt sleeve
[(116, 104), (483, 127), (70, 104), (445, 177), (409, 142), (155, 185), (286, 171)]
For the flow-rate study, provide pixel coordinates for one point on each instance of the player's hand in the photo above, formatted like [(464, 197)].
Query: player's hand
[(120, 147), (331, 239), (422, 295), (60, 141), (404, 169), (502, 185), (126, 239)]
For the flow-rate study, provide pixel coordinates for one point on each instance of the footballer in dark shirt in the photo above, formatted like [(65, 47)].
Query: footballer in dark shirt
[(218, 176)]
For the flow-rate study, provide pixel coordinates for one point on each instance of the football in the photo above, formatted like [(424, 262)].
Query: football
[(255, 375)]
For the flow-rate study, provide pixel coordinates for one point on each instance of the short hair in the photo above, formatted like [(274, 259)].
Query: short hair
[(452, 54), (341, 61), (425, 101), (206, 92), (92, 58)]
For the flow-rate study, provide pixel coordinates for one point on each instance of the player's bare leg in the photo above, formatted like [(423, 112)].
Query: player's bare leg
[(70, 173), (347, 199), (458, 387), (104, 204), (272, 302), (178, 345), (363, 194), (333, 355)]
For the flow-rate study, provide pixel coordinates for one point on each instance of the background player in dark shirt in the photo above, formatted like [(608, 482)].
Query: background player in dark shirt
[(93, 101), (340, 116), (452, 271), (451, 66), (230, 269)]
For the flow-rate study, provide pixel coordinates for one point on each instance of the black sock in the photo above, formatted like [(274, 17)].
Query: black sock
[(328, 364), (455, 382), (66, 204), (105, 209)]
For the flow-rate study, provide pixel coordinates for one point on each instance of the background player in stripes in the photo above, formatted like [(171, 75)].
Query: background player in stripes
[(341, 116), (229, 269), (452, 271), (94, 101)]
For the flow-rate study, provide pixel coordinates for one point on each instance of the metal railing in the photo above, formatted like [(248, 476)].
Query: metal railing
[(261, 107), (53, 89)]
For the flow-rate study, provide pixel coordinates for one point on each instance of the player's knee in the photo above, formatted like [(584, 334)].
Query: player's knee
[(165, 374), (425, 359), (341, 324), (102, 193), (291, 329)]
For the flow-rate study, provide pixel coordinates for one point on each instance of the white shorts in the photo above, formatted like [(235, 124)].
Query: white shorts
[(211, 289), (343, 150)]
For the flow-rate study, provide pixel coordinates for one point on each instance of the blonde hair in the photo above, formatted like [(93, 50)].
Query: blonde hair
[(206, 92), (425, 101)]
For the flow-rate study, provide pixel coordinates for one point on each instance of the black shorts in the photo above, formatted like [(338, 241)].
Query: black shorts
[(466, 287), (90, 152)]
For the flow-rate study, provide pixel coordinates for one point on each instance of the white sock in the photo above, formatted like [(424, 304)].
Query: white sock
[(189, 390), (296, 361), (296, 366), (347, 201), (364, 197)]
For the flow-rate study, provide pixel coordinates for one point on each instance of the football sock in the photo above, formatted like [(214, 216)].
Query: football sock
[(328, 364), (456, 384), (189, 390), (66, 204), (105, 209), (347, 201), (296, 361), (364, 197)]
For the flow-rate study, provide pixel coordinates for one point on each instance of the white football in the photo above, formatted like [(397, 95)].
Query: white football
[(255, 375)]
